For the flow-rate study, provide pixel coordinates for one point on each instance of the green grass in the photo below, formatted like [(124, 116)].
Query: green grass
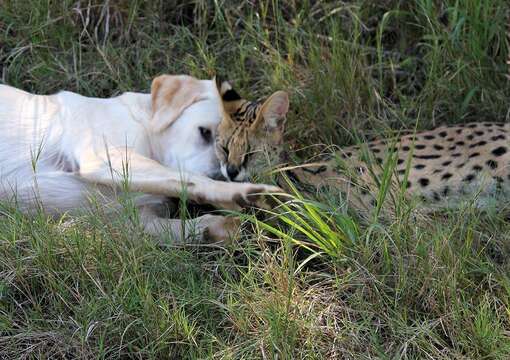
[(415, 287)]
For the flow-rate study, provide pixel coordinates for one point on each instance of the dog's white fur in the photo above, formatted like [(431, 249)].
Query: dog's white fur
[(59, 150)]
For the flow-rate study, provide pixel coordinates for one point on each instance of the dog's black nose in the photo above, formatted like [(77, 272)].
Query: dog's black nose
[(232, 171)]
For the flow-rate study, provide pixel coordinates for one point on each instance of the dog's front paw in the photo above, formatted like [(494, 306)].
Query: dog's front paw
[(237, 196), (256, 195), (219, 229)]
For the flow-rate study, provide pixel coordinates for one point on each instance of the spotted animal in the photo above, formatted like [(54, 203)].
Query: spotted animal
[(439, 167), (253, 135)]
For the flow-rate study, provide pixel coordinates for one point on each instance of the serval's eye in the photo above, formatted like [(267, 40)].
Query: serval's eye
[(246, 158), (206, 134)]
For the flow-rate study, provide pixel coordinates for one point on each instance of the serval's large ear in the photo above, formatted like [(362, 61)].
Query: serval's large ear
[(171, 95), (273, 112), (232, 101), (227, 92)]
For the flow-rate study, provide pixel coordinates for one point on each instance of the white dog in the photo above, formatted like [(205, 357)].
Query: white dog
[(57, 151)]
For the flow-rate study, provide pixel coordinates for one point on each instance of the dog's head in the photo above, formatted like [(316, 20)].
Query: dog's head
[(185, 116)]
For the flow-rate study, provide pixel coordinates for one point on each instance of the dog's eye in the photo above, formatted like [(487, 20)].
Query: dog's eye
[(206, 134)]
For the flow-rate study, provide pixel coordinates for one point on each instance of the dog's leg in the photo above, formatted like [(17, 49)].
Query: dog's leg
[(204, 229), (56, 192), (125, 166)]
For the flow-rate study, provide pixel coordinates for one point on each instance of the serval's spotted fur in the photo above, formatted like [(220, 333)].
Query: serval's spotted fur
[(440, 166)]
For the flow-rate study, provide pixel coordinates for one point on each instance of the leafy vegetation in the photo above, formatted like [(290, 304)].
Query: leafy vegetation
[(418, 286)]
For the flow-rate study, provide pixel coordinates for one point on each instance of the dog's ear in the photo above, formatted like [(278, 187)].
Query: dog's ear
[(171, 95)]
